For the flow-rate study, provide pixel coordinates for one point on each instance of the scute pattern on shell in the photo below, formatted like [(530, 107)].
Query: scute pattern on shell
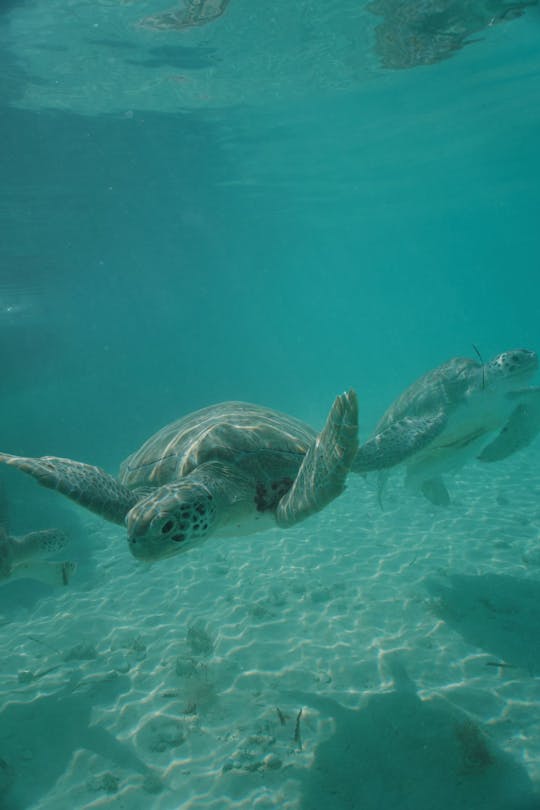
[(220, 432), (442, 388)]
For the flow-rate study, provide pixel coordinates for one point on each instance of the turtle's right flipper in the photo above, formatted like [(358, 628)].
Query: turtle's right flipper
[(89, 486), (520, 430), (323, 472), (397, 442)]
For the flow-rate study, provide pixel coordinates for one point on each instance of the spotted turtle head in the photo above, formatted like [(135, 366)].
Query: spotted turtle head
[(171, 520), (513, 367)]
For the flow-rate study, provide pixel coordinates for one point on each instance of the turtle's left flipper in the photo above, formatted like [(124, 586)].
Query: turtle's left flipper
[(519, 431), (89, 486), (396, 443), (321, 477)]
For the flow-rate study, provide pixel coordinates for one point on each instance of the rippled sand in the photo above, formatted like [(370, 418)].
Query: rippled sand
[(367, 659)]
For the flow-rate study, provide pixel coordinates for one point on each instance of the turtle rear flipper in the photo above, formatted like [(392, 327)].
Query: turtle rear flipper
[(321, 477), (519, 431), (398, 442), (435, 491), (51, 573), (89, 486)]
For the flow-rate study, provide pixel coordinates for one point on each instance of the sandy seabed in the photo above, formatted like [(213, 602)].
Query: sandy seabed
[(367, 660)]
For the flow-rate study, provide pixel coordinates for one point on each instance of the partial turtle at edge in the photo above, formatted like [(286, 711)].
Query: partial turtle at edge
[(20, 556), (458, 411)]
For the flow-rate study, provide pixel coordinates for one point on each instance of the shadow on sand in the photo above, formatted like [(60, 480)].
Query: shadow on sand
[(498, 614), (39, 738), (402, 753)]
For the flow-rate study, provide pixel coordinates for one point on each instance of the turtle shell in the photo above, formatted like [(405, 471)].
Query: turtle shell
[(225, 432), (443, 388)]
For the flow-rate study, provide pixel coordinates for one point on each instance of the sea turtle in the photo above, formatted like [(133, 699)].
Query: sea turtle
[(220, 469), (460, 410), (19, 556)]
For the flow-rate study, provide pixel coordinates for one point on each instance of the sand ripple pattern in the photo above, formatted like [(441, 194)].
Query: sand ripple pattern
[(253, 673)]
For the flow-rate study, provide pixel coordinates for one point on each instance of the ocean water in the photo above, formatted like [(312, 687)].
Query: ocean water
[(275, 205)]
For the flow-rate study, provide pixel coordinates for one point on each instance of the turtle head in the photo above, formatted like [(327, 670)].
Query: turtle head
[(513, 367), (171, 520)]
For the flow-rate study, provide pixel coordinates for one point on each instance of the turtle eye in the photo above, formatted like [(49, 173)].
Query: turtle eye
[(166, 528)]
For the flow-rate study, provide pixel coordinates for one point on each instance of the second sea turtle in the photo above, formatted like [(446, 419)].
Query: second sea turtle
[(460, 410)]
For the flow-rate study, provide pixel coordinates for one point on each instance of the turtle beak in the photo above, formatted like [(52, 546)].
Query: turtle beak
[(149, 548), (153, 533), (139, 550), (137, 527), (136, 524), (526, 361)]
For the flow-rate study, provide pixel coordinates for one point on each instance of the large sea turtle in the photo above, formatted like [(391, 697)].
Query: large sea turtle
[(20, 556), (459, 410), (221, 469)]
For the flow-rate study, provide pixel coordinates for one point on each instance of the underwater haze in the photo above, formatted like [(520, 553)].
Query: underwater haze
[(273, 203)]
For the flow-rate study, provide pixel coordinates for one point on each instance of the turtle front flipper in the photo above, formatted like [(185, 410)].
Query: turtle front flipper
[(321, 477), (397, 442), (519, 431), (88, 486)]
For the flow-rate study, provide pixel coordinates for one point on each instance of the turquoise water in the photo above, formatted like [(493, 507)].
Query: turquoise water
[(274, 207)]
